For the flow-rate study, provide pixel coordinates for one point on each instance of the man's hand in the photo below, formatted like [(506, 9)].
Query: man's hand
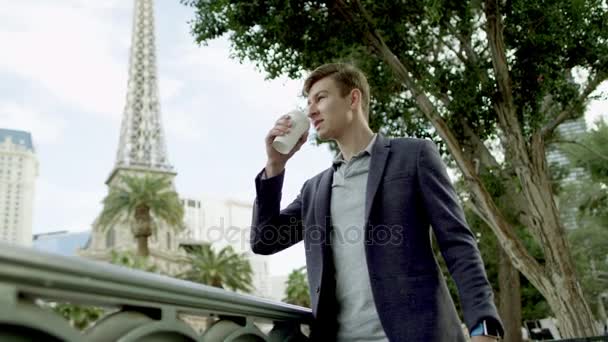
[(483, 339), (276, 161)]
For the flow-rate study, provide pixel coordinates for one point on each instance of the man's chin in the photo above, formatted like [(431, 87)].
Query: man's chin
[(323, 136)]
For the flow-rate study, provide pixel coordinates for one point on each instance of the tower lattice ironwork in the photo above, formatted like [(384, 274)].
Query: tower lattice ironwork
[(142, 139)]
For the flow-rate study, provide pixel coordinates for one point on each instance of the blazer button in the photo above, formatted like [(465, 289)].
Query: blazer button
[(318, 289)]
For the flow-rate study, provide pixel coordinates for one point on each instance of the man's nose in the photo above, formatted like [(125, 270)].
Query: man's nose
[(311, 110)]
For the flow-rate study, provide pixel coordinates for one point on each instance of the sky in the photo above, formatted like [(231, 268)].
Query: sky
[(63, 77)]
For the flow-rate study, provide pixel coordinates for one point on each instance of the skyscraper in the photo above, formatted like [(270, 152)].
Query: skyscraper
[(568, 130), (18, 172)]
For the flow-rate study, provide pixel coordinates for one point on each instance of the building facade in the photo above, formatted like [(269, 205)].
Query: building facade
[(18, 172), (225, 222), (568, 130)]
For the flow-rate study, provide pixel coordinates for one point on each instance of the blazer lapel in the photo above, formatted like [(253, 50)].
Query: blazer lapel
[(380, 152)]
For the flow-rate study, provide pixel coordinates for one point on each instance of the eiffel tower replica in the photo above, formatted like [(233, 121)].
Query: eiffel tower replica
[(141, 148)]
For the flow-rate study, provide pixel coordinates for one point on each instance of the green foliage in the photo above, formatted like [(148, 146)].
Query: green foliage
[(590, 252), (138, 200), (132, 260), (223, 269), (79, 316), (297, 291), (154, 192), (590, 153), (587, 199), (533, 305), (546, 39)]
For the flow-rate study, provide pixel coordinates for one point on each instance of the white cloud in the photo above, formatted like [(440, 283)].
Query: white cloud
[(183, 124), (70, 51), (46, 128)]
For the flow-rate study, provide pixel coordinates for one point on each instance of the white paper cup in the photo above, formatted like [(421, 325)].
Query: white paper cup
[(299, 125)]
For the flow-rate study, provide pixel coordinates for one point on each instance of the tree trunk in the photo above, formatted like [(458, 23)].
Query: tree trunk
[(563, 296), (217, 282), (143, 229), (142, 246), (509, 298)]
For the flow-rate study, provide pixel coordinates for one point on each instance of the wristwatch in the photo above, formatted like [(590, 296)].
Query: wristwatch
[(491, 329), (487, 328)]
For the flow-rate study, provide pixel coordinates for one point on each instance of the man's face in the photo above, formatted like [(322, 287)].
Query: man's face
[(329, 112)]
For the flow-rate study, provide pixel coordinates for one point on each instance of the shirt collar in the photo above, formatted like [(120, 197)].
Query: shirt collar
[(339, 159)]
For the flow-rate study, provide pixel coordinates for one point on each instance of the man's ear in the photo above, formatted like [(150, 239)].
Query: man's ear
[(355, 98)]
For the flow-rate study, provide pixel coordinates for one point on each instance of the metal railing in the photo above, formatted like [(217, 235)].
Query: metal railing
[(145, 306)]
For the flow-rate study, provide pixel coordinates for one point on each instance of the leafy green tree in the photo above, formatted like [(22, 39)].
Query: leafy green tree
[(492, 79), (139, 201), (587, 198), (297, 291), (223, 269)]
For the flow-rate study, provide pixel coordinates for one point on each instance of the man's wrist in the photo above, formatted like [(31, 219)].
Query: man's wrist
[(485, 328), (273, 169)]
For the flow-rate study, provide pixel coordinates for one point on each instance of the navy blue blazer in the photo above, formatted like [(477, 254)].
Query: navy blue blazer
[(408, 191)]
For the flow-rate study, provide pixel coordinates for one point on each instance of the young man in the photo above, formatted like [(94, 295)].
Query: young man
[(365, 225)]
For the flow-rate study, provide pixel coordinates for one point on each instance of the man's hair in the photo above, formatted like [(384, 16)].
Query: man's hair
[(347, 78)]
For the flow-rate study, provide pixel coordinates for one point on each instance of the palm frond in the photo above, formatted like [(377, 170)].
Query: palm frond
[(226, 267)]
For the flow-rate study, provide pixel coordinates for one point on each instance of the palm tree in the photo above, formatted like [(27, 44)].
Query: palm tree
[(297, 288), (139, 200), (224, 269)]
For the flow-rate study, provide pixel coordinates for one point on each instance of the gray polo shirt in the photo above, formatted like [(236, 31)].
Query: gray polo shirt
[(357, 315)]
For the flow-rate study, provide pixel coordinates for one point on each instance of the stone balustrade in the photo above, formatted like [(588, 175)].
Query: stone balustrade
[(138, 306)]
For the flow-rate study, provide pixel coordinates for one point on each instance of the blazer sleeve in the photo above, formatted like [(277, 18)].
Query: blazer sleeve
[(272, 229), (456, 241)]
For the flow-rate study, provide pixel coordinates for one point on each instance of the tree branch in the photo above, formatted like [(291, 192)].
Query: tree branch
[(595, 153), (465, 43), (458, 54), (569, 112), (472, 58), (504, 104)]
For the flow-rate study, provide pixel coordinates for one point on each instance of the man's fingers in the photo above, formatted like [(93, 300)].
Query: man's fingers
[(276, 132), (301, 141), (284, 120)]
